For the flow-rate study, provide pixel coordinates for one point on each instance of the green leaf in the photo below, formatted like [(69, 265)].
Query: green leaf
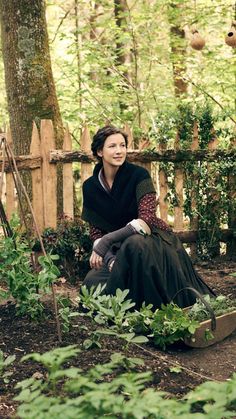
[(140, 339), (177, 369)]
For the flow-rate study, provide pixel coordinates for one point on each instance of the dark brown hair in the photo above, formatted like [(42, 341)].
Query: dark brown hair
[(101, 136)]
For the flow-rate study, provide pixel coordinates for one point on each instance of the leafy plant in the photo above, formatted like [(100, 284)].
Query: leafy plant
[(115, 390), (128, 337), (171, 324), (5, 362), (65, 313), (24, 284), (218, 400), (207, 196), (106, 309), (53, 360), (71, 241), (140, 320), (164, 326), (93, 341)]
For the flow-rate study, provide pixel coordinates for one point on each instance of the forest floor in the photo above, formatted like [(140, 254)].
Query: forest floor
[(20, 336)]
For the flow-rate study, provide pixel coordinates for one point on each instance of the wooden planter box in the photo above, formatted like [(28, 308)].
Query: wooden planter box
[(225, 325)]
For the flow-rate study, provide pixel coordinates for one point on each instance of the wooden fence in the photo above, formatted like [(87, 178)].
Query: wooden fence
[(44, 157)]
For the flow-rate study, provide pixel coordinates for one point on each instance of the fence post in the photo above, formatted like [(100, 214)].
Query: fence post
[(142, 145), (231, 246), (68, 204), (179, 184), (194, 217), (85, 141), (163, 188), (37, 186), (128, 131), (49, 174), (214, 195), (3, 187), (10, 186), (2, 175)]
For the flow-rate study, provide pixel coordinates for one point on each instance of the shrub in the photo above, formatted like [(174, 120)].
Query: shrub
[(19, 278), (71, 241)]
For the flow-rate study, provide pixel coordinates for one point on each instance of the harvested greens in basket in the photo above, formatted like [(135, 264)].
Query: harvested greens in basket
[(220, 305)]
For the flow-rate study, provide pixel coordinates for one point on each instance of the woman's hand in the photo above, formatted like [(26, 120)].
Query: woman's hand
[(95, 260)]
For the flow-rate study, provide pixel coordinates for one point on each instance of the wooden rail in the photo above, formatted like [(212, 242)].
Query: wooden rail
[(148, 156)]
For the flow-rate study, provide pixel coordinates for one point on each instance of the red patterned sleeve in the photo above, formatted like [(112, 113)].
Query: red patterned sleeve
[(147, 212), (95, 233)]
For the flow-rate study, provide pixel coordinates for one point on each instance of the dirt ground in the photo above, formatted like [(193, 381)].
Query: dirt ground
[(218, 362)]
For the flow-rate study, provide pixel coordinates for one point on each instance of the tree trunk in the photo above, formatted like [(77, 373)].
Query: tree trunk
[(122, 52), (123, 55), (93, 34), (29, 82), (178, 60), (178, 48), (78, 53), (31, 94)]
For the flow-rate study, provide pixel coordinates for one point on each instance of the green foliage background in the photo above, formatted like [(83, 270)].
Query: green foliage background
[(90, 83)]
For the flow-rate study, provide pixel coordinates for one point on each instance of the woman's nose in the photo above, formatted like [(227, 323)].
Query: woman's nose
[(118, 149)]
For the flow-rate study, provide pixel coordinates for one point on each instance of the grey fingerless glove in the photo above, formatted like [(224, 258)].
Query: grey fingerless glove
[(106, 241), (109, 257)]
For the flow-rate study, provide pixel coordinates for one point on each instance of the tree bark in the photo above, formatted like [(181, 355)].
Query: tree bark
[(93, 34), (123, 55), (31, 93), (178, 49), (78, 53)]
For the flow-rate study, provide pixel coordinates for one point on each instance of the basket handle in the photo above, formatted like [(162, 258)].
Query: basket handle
[(206, 304)]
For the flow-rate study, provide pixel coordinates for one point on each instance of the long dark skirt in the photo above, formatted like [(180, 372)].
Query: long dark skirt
[(154, 268)]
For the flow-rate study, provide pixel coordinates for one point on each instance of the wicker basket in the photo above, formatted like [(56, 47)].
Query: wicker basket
[(219, 326), (225, 325)]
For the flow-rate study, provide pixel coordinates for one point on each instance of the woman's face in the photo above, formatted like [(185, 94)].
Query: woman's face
[(114, 151)]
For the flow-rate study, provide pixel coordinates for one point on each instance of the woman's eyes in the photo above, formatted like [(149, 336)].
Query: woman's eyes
[(114, 145)]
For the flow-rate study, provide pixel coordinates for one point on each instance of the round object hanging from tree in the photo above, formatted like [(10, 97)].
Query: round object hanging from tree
[(230, 38), (197, 41)]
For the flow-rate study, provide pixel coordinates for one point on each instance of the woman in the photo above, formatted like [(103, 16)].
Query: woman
[(133, 249)]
